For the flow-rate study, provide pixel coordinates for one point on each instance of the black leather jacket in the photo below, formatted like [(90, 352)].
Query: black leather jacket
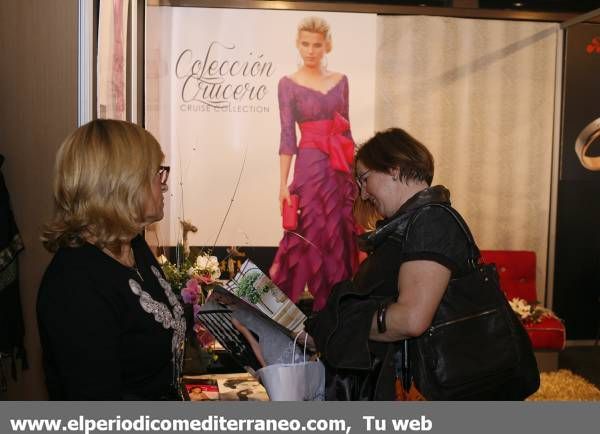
[(358, 368)]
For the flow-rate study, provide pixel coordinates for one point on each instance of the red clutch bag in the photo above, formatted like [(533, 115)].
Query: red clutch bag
[(290, 213)]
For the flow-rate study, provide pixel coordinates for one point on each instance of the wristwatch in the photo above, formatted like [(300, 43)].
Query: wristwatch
[(584, 140)]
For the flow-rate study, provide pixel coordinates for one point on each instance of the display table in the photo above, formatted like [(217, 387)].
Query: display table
[(224, 387)]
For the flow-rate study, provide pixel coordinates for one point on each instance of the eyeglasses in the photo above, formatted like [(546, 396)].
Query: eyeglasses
[(163, 172), (362, 179)]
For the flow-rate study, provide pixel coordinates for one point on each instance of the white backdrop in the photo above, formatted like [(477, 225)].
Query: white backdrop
[(480, 94), (205, 135)]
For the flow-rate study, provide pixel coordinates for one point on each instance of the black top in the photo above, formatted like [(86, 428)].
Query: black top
[(435, 236), (341, 330), (101, 340)]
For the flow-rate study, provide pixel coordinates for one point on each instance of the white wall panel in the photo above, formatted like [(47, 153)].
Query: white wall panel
[(480, 95)]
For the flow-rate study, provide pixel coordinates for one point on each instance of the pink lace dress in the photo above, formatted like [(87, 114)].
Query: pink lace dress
[(322, 250)]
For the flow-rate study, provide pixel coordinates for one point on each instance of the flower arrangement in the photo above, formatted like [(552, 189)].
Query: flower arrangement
[(177, 276), (206, 269), (529, 313), (193, 279)]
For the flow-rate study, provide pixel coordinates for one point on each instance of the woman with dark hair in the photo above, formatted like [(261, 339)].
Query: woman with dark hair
[(110, 325), (398, 288)]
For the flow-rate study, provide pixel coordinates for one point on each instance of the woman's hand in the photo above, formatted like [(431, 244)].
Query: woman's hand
[(251, 340), (310, 343), (284, 196), (285, 162)]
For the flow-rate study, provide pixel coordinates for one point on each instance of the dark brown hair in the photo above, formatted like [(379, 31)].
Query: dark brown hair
[(395, 148)]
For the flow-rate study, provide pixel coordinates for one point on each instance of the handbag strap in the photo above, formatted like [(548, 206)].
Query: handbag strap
[(473, 260), (295, 343), (474, 253)]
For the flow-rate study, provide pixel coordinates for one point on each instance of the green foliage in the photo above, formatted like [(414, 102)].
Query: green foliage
[(177, 277)]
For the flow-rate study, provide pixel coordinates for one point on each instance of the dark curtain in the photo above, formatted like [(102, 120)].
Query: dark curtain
[(11, 317)]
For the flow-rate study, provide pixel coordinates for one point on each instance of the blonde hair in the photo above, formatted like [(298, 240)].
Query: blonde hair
[(364, 212), (315, 24), (102, 178)]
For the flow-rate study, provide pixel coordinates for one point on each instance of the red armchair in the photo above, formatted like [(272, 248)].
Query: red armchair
[(517, 279)]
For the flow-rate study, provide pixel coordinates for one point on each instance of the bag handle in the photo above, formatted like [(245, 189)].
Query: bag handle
[(294, 349), (474, 253)]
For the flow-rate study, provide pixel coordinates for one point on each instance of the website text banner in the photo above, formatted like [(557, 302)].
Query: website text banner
[(328, 417), (212, 102)]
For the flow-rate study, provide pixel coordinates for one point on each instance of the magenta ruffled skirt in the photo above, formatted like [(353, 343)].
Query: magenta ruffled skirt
[(322, 251)]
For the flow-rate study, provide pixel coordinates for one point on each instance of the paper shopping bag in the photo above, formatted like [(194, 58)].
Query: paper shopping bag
[(302, 381)]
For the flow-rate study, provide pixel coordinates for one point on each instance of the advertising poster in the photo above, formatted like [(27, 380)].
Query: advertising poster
[(212, 84), (230, 101), (577, 276)]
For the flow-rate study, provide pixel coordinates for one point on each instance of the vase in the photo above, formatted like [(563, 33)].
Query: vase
[(196, 358)]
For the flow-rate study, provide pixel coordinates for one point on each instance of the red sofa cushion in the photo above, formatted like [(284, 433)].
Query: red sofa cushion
[(516, 269), (548, 334)]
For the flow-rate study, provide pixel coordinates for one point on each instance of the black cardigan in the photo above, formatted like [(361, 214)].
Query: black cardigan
[(98, 342)]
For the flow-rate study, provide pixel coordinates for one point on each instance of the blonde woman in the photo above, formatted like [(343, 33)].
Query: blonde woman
[(110, 326), (322, 250)]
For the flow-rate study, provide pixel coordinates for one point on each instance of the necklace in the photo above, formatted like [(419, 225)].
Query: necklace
[(133, 265), (137, 271), (131, 259)]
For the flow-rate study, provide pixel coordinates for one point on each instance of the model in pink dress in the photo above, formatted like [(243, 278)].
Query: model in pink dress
[(322, 250)]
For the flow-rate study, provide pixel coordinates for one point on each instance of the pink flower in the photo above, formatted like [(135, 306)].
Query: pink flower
[(203, 336), (206, 278), (196, 310), (191, 292)]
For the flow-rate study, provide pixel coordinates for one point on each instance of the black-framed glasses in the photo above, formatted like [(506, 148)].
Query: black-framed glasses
[(362, 179), (163, 173)]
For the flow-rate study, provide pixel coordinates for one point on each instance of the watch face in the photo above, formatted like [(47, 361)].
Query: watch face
[(580, 135), (587, 146)]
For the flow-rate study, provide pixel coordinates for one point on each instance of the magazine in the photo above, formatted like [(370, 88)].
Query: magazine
[(225, 387), (252, 291), (241, 388), (201, 390), (216, 317)]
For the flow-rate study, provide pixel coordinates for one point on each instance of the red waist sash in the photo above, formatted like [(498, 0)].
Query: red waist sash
[(328, 136)]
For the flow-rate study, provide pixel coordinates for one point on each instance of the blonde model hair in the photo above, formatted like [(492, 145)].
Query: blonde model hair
[(102, 179), (316, 25)]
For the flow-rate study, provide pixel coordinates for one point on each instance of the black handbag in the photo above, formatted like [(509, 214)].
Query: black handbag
[(476, 347)]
